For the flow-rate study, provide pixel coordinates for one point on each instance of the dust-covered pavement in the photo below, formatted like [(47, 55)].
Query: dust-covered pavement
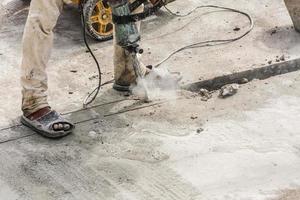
[(243, 147)]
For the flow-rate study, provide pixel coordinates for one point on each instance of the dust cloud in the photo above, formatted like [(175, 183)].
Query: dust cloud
[(157, 85)]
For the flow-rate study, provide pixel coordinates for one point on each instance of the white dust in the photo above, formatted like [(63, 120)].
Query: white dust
[(157, 85)]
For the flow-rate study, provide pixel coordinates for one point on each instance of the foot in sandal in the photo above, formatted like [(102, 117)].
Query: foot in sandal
[(48, 123)]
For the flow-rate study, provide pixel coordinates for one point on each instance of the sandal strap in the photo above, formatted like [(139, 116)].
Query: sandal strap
[(52, 118), (48, 118)]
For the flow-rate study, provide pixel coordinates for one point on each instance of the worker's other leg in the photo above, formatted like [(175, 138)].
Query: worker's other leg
[(123, 64), (37, 45)]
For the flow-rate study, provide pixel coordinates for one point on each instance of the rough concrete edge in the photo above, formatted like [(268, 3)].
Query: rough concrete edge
[(246, 76)]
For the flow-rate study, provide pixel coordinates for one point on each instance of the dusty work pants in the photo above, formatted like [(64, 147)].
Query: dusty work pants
[(37, 45)]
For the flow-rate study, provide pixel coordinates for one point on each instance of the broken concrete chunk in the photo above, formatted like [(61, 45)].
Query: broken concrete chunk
[(205, 94), (200, 130), (229, 90), (204, 99), (193, 117), (244, 81), (273, 32), (93, 134)]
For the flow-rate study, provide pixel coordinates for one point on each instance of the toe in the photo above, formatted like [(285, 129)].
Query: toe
[(67, 127), (60, 127), (55, 127)]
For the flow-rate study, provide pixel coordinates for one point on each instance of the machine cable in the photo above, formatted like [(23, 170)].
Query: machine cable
[(208, 42), (90, 98)]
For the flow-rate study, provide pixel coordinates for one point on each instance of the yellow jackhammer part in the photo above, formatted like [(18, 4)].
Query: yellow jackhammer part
[(98, 16)]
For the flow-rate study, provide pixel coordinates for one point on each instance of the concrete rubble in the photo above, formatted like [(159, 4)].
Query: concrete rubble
[(229, 90)]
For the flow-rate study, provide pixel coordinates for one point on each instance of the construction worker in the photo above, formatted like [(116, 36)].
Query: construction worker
[(37, 45)]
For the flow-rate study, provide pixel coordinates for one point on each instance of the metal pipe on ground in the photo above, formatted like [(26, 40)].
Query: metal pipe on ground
[(293, 7)]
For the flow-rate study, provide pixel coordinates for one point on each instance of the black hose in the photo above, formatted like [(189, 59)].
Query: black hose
[(96, 91)]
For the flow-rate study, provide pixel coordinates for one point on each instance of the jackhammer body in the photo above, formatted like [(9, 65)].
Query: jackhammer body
[(127, 35), (126, 32)]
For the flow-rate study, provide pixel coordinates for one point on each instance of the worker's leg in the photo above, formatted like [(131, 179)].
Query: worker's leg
[(123, 64), (37, 45)]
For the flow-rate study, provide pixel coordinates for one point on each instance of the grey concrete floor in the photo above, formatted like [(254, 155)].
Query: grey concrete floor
[(243, 147)]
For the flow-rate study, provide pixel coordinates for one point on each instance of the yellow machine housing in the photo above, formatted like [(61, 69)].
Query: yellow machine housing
[(98, 19)]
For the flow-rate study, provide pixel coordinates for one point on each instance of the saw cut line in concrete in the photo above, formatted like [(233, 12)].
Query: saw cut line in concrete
[(82, 121), (17, 138), (70, 112), (246, 76)]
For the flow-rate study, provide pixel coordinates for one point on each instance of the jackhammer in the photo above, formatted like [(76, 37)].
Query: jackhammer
[(127, 34)]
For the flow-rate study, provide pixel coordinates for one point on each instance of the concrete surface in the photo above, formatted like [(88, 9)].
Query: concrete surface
[(243, 147)]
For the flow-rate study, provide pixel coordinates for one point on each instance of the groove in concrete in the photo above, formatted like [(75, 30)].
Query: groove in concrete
[(246, 76)]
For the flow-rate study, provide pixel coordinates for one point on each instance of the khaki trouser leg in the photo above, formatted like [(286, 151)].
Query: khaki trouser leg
[(123, 63), (37, 45)]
